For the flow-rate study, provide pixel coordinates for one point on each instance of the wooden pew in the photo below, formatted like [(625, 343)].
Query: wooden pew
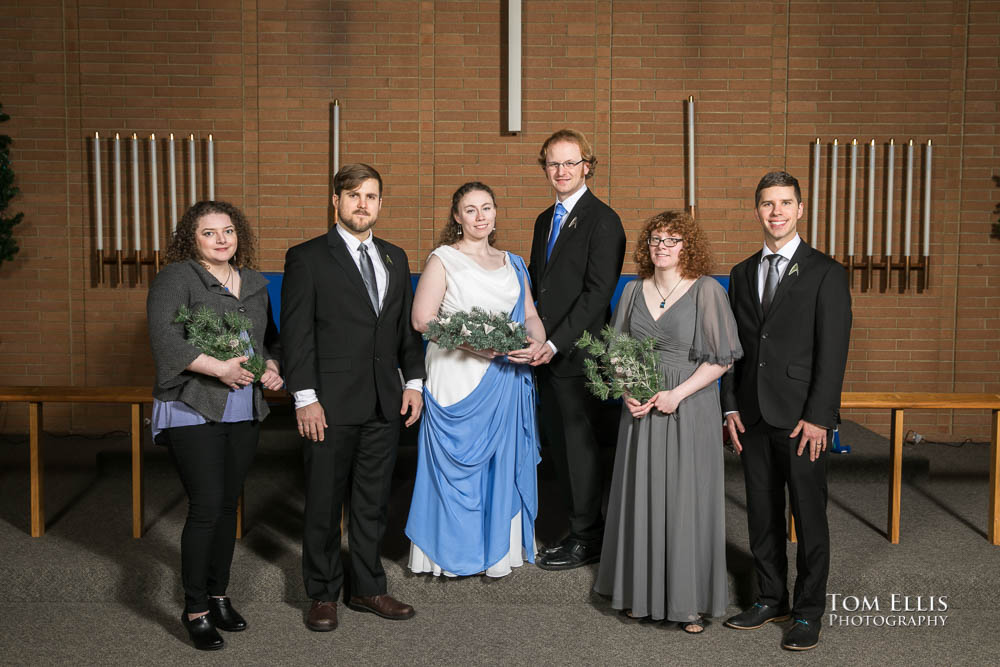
[(898, 403)]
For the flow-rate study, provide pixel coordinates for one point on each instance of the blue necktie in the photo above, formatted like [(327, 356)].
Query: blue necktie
[(556, 225)]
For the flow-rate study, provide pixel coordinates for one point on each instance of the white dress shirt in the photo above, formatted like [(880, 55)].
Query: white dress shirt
[(786, 251), (306, 396)]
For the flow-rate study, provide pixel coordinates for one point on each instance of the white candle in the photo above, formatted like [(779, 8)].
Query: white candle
[(136, 231), (852, 198), (211, 168), (890, 171), (871, 199), (154, 192), (118, 193), (336, 136), (814, 204), (833, 201), (927, 202), (908, 204), (191, 170), (690, 150), (98, 203), (172, 177)]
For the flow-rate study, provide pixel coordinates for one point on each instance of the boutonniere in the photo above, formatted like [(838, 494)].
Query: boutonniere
[(795, 269), (388, 260), (572, 223)]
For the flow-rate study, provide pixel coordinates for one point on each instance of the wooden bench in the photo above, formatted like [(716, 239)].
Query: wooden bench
[(898, 403)]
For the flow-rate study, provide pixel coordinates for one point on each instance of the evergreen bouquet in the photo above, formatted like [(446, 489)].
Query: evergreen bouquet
[(222, 337), (479, 329), (620, 364)]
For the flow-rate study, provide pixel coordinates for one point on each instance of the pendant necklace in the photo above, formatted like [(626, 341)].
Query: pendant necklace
[(663, 303), (225, 285)]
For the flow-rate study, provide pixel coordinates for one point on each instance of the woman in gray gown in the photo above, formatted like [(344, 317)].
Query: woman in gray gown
[(664, 553)]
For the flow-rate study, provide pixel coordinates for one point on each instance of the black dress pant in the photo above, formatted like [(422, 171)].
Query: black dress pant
[(770, 463), (212, 460), (565, 410), (363, 456)]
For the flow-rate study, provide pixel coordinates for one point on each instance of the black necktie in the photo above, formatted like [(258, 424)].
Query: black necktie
[(771, 282), (368, 276)]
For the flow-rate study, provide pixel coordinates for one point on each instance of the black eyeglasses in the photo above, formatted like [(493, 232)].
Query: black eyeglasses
[(668, 241), (568, 164)]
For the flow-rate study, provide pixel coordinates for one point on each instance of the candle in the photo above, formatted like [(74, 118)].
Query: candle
[(211, 169), (890, 174), (172, 177), (118, 193), (336, 136), (154, 192), (191, 170), (136, 231), (908, 204), (691, 150), (871, 198), (98, 203), (833, 201), (814, 204), (927, 202), (852, 197)]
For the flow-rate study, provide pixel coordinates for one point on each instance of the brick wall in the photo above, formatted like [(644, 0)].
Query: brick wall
[(422, 87)]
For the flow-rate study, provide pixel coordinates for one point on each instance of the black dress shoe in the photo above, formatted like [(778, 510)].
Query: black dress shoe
[(548, 551), (803, 635), (202, 631), (224, 616), (756, 616), (570, 556)]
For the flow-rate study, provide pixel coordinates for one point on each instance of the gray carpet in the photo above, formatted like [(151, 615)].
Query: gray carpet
[(88, 593)]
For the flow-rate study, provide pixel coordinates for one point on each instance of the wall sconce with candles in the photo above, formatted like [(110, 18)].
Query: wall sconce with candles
[(869, 265), (118, 258)]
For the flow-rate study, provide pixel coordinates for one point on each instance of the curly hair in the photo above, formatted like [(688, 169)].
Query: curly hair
[(184, 245), (574, 137), (696, 254), (452, 232)]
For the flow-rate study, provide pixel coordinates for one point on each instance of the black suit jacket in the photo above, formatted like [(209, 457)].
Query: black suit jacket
[(795, 356), (573, 289), (335, 342)]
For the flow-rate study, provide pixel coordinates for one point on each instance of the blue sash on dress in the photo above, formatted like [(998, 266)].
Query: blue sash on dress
[(476, 467)]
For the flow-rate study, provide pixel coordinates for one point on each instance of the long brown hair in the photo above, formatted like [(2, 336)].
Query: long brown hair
[(696, 255), (452, 232), (184, 245)]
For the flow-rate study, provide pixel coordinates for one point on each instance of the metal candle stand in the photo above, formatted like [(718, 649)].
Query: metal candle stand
[(118, 261), (884, 267)]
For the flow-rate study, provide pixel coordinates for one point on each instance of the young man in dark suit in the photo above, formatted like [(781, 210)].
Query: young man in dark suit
[(345, 319), (793, 308), (576, 259)]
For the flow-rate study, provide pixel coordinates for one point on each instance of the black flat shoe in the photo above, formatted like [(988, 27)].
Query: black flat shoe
[(756, 616), (802, 636), (224, 616), (203, 634), (570, 557)]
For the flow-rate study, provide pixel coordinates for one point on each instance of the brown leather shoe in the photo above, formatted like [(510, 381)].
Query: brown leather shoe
[(383, 605), (322, 616)]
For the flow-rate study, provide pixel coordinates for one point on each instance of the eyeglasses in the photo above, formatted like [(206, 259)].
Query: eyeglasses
[(568, 164), (668, 241)]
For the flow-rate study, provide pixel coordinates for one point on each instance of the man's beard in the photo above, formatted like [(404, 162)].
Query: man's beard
[(366, 223)]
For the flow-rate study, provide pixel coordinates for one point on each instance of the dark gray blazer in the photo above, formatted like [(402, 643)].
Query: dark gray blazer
[(188, 283)]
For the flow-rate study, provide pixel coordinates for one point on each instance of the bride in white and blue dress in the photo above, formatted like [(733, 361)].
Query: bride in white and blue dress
[(475, 495)]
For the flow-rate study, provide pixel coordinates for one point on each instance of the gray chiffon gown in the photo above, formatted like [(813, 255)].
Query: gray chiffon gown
[(664, 552)]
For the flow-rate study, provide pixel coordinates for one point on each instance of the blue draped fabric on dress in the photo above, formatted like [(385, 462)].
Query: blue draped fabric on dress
[(476, 467)]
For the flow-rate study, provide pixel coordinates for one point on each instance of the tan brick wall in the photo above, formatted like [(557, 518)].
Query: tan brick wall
[(422, 87)]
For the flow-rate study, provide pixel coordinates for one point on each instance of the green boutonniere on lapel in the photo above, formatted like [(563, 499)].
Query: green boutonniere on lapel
[(388, 260), (795, 269)]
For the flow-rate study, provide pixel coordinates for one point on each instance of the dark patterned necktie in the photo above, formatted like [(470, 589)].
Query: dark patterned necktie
[(368, 276), (771, 282)]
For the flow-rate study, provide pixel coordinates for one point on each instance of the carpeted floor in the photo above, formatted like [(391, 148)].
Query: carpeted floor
[(87, 593)]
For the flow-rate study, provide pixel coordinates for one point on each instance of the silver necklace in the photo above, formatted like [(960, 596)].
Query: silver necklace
[(663, 302)]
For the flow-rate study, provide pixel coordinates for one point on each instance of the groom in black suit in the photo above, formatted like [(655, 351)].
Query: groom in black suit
[(345, 319), (576, 259), (793, 308)]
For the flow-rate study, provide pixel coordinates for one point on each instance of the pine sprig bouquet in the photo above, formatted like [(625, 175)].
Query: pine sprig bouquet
[(479, 329), (620, 364), (221, 337)]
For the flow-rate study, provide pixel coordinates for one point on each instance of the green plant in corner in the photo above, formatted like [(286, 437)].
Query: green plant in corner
[(8, 246)]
